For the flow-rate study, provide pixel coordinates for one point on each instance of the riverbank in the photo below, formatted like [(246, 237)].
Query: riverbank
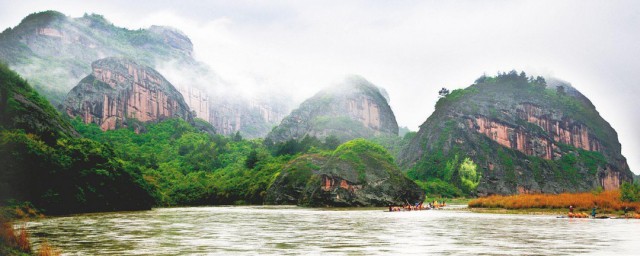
[(450, 201), (607, 203)]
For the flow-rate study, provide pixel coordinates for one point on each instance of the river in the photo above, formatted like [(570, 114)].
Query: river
[(290, 230)]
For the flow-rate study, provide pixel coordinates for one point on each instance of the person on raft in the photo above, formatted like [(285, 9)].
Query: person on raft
[(570, 209)]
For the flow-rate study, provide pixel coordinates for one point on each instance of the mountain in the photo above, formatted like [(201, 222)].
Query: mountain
[(120, 89), (54, 52), (357, 173), (46, 162), (521, 135), (353, 109)]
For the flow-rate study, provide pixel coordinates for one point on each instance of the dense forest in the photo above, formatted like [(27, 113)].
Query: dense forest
[(47, 163)]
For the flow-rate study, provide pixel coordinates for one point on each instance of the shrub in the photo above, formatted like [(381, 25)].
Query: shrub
[(630, 192)]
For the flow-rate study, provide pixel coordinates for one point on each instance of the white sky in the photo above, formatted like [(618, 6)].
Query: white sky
[(411, 48)]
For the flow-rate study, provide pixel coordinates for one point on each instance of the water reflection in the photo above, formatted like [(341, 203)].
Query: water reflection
[(293, 231)]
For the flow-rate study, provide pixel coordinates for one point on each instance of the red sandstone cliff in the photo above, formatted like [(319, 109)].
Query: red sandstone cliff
[(118, 90)]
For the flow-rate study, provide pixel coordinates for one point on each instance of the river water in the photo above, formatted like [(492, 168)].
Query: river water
[(290, 230)]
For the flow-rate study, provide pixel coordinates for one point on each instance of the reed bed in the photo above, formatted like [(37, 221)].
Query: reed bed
[(607, 201)]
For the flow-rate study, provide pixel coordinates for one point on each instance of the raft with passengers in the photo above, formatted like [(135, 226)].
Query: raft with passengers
[(418, 206)]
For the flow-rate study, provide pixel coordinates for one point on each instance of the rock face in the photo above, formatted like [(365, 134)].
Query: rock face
[(197, 100), (120, 89), (359, 173), (253, 118), (354, 109), (524, 137)]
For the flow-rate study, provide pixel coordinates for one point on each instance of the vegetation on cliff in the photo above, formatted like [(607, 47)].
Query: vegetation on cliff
[(357, 173)]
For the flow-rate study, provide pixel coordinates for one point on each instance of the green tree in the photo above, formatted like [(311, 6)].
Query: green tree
[(237, 137), (252, 159), (560, 90), (443, 92), (469, 177), (630, 192), (331, 142)]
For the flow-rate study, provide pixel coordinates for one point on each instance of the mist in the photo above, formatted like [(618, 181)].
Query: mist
[(410, 48)]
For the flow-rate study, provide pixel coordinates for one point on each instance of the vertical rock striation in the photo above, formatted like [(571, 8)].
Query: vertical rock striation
[(118, 90)]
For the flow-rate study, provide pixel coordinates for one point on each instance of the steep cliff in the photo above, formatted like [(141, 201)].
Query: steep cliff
[(354, 109), (358, 173), (523, 135), (120, 89)]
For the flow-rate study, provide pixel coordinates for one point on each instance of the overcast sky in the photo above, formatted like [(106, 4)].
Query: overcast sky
[(411, 48)]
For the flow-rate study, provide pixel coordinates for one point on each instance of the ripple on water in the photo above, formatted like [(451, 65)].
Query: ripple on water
[(292, 230)]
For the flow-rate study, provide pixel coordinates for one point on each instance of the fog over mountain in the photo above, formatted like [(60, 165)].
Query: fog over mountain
[(411, 48)]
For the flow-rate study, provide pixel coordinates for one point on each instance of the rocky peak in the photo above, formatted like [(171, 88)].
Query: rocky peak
[(42, 19), (352, 109), (119, 89), (525, 135)]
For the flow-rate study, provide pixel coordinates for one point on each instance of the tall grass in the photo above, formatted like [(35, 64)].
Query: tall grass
[(607, 201), (17, 241), (12, 239)]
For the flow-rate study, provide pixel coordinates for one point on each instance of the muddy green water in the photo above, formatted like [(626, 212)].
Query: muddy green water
[(287, 230)]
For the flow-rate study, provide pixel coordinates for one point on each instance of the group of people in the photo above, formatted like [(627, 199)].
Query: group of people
[(626, 214), (417, 206), (581, 214)]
